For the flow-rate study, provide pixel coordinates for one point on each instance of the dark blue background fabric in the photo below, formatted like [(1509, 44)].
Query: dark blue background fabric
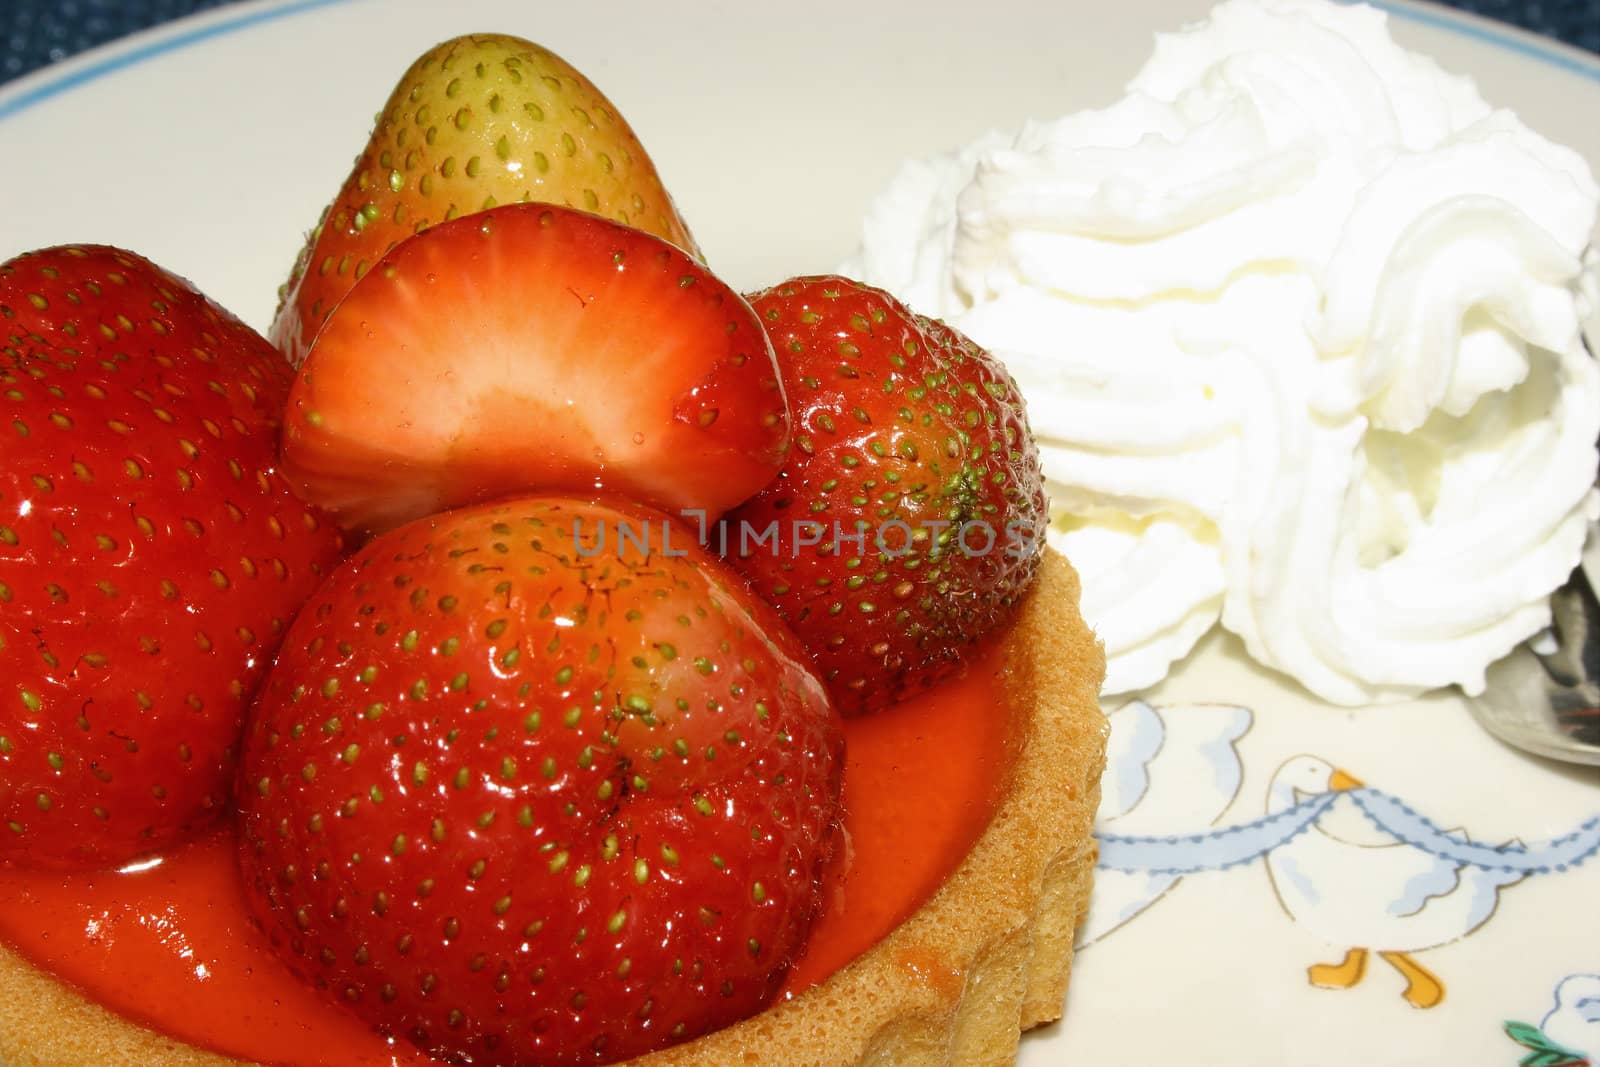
[(34, 33), (1573, 21)]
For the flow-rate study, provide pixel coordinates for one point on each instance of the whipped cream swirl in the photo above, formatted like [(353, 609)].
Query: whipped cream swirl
[(1298, 325)]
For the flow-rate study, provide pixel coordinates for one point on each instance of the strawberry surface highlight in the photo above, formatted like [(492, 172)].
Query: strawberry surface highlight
[(525, 788), (909, 518), (151, 556)]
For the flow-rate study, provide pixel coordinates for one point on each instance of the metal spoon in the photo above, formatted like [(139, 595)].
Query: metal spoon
[(1545, 697)]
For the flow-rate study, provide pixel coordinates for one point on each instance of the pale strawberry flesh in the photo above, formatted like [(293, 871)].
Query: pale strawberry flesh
[(534, 348)]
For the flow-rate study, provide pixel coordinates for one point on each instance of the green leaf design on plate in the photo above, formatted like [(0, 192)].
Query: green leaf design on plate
[(1524, 1034), (1543, 1052)]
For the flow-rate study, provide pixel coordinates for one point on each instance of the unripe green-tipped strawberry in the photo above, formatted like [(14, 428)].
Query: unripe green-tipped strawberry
[(909, 518), (539, 782), (150, 553), (477, 121)]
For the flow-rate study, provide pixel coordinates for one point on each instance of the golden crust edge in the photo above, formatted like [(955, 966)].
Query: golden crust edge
[(988, 957)]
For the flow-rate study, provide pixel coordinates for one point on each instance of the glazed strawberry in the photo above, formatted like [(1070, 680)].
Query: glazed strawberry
[(477, 121), (535, 348), (909, 518), (539, 782), (150, 555)]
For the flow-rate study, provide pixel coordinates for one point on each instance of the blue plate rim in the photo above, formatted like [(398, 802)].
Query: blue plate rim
[(55, 80)]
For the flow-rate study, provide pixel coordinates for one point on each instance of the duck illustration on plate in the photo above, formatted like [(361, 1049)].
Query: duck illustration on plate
[(1354, 865), (1354, 885)]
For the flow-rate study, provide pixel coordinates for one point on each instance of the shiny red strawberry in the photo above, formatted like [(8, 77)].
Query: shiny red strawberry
[(534, 348), (150, 555), (909, 518), (539, 782)]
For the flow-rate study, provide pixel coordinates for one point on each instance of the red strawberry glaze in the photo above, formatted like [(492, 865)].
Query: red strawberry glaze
[(168, 944), (922, 779)]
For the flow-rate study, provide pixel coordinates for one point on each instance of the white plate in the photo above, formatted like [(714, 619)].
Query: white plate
[(211, 145)]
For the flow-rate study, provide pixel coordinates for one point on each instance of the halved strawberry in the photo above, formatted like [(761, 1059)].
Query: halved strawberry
[(539, 782), (536, 348), (150, 554), (909, 519)]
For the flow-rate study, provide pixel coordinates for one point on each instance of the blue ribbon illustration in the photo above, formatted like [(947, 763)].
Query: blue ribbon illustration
[(1231, 846)]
